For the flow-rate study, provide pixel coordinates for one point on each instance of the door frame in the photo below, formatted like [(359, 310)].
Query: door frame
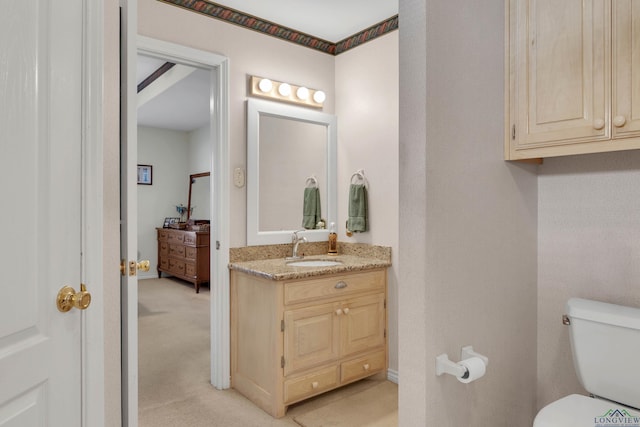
[(219, 284)]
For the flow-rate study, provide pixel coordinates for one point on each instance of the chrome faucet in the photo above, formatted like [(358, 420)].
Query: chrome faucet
[(295, 239)]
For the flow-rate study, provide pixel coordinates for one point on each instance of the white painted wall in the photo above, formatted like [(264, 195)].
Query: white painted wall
[(588, 247), (167, 151), (468, 222)]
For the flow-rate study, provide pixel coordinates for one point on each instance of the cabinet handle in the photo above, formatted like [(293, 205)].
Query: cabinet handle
[(598, 124), (365, 366), (339, 311), (314, 384), (340, 285), (619, 121), (346, 310)]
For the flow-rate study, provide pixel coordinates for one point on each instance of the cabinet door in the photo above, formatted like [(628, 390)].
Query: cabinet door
[(310, 336), (560, 53), (626, 67), (362, 324)]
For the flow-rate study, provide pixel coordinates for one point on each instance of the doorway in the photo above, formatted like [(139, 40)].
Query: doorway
[(216, 66)]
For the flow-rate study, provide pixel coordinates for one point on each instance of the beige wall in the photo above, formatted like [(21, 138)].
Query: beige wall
[(589, 247), (468, 222), (249, 53), (367, 110)]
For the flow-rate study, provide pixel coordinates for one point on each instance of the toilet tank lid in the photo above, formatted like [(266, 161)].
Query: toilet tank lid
[(602, 312)]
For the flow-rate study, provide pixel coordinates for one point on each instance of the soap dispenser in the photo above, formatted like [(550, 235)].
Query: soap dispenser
[(333, 239)]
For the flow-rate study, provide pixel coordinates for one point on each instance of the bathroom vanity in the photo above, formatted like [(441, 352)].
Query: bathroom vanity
[(297, 332)]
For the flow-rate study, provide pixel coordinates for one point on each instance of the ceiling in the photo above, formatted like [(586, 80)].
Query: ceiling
[(182, 102)]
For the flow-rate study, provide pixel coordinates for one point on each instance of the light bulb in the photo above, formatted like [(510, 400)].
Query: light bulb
[(302, 93), (265, 85), (284, 89), (319, 96)]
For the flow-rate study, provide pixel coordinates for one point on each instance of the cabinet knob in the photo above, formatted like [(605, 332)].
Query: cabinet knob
[(314, 384), (339, 311), (619, 121), (598, 124), (346, 310), (365, 366)]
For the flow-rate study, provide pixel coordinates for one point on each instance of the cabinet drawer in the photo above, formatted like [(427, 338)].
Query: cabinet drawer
[(164, 248), (176, 266), (164, 263), (176, 250), (190, 269), (163, 235), (190, 238), (334, 286), (363, 366), (175, 237), (311, 384), (191, 252)]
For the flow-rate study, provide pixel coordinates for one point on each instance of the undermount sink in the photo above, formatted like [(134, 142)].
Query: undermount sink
[(314, 263)]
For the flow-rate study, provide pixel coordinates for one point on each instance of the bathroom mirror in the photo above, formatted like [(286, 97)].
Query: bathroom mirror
[(286, 145), (199, 191)]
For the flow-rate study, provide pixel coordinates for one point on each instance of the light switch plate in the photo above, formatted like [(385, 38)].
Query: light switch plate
[(238, 177)]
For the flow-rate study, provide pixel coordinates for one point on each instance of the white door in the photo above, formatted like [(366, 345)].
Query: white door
[(40, 210)]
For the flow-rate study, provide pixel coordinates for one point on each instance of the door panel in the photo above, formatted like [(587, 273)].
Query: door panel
[(362, 325), (562, 72), (40, 176)]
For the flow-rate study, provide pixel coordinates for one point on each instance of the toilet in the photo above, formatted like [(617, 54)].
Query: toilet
[(605, 341)]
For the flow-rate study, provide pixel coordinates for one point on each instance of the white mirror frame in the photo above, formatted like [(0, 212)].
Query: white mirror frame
[(255, 109)]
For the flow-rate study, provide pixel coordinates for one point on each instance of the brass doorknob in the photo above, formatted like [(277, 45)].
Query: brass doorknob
[(144, 265), (69, 298)]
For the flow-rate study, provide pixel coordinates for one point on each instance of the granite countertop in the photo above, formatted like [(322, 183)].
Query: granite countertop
[(277, 268)]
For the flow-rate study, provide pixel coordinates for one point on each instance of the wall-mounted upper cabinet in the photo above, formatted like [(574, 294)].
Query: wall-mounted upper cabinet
[(573, 77)]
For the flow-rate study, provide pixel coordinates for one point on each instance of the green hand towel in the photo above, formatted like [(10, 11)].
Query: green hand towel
[(311, 208), (358, 210)]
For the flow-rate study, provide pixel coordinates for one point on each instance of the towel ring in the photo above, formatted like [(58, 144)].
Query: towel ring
[(359, 175), (311, 182)]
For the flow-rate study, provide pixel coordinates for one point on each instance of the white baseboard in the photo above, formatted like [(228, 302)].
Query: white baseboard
[(147, 275), (392, 375)]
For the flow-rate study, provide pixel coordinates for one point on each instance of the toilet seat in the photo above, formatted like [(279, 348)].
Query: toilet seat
[(576, 411)]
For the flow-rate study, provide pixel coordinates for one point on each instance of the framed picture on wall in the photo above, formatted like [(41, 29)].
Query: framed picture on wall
[(145, 174)]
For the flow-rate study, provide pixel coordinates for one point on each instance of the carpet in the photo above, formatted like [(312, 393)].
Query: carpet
[(375, 407)]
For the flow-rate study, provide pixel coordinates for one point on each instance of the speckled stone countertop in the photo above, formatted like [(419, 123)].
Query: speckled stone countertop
[(353, 258)]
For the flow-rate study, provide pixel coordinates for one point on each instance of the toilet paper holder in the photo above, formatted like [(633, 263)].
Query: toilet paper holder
[(446, 366)]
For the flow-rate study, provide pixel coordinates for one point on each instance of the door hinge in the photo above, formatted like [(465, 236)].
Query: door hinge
[(282, 362), (513, 132), (282, 326), (385, 303), (385, 333), (217, 245)]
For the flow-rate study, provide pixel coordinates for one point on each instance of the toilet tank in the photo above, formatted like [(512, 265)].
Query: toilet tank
[(605, 340)]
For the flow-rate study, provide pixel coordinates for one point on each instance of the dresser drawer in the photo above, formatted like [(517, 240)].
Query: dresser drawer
[(191, 252), (334, 286), (176, 250), (175, 237), (190, 238), (190, 269), (164, 263), (176, 266), (363, 367), (163, 235), (164, 248), (311, 384)]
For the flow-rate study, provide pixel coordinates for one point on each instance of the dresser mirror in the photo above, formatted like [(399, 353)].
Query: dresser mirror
[(287, 145), (198, 206)]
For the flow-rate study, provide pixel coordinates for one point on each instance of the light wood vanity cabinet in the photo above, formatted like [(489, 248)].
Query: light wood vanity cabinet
[(291, 340), (570, 87)]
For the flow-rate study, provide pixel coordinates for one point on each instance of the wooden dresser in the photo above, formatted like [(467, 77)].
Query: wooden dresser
[(184, 254)]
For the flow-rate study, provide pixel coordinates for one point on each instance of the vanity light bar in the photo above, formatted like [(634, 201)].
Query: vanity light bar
[(280, 91)]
